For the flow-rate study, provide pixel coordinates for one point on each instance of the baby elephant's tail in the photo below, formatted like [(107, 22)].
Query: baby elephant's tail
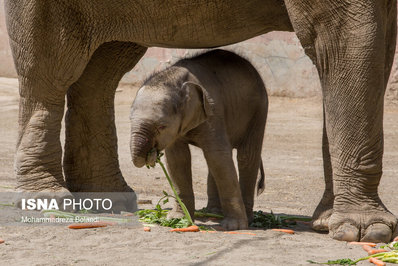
[(260, 184)]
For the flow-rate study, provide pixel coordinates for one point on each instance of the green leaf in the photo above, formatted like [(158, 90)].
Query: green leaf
[(335, 262)]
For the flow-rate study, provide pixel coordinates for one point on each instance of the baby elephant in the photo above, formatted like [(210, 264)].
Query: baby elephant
[(216, 101)]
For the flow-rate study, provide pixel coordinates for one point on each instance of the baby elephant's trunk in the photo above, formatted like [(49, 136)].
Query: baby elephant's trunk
[(141, 144)]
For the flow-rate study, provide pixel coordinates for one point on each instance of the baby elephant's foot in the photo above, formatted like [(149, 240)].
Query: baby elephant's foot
[(230, 223)]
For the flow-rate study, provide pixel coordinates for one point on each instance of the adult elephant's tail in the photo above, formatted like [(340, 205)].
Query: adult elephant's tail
[(260, 184)]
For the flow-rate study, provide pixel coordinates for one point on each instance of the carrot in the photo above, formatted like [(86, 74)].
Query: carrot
[(377, 262), (367, 248), (375, 251), (363, 243), (88, 225), (1, 241), (238, 233), (192, 228), (147, 229), (396, 239), (287, 231)]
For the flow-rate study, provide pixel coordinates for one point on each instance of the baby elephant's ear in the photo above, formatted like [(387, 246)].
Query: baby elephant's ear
[(207, 102)]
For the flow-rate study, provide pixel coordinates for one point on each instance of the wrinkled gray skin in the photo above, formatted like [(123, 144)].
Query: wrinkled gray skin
[(217, 102), (82, 48)]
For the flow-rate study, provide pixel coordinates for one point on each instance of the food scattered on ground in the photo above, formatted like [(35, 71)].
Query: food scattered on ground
[(384, 254), (271, 220), (377, 262), (375, 251), (287, 231), (87, 225), (363, 243), (1, 241), (192, 228), (147, 229)]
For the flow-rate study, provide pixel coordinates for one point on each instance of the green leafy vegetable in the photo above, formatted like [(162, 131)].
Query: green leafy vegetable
[(335, 262), (390, 256), (270, 220)]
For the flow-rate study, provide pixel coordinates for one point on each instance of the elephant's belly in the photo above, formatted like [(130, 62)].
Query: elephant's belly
[(199, 24)]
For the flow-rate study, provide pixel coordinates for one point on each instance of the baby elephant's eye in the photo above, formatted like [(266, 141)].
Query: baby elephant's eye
[(160, 128)]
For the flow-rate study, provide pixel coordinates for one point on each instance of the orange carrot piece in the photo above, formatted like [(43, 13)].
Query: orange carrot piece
[(363, 243), (1, 241), (192, 228), (395, 239), (88, 225), (239, 233), (375, 251), (367, 248), (147, 229), (377, 262), (287, 231)]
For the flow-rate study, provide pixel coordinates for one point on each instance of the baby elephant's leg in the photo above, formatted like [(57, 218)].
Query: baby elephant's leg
[(248, 171), (219, 159), (178, 158), (249, 160)]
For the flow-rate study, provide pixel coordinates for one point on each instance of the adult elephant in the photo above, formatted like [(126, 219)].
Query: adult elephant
[(82, 49)]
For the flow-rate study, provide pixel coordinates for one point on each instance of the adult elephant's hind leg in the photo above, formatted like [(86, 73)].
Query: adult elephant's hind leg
[(351, 43), (91, 160), (322, 213)]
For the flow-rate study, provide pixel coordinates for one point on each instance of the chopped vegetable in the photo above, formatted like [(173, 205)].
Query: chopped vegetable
[(367, 248), (335, 262), (192, 228), (287, 231), (363, 243), (375, 251), (270, 220), (88, 225), (387, 253), (377, 262)]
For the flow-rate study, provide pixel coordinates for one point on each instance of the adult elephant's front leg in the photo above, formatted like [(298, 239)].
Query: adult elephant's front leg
[(91, 160), (46, 65), (352, 44), (322, 213)]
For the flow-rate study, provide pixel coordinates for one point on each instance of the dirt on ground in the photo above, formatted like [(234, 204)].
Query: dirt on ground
[(294, 184)]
